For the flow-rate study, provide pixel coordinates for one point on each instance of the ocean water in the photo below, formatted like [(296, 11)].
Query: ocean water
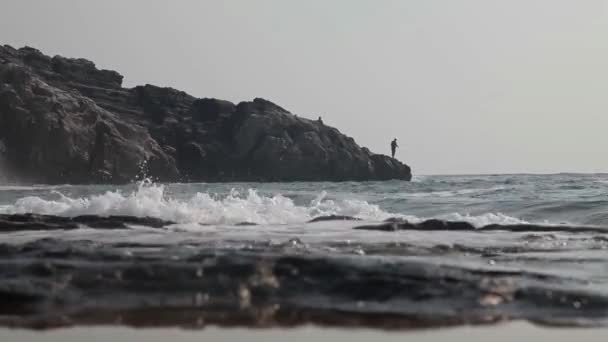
[(247, 253)]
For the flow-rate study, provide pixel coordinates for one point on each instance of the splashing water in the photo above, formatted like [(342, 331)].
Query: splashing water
[(474, 263), (152, 200)]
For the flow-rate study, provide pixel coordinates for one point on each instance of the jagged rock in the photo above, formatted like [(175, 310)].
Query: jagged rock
[(65, 121)]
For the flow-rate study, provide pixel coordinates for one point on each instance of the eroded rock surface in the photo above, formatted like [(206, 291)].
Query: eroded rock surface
[(65, 121)]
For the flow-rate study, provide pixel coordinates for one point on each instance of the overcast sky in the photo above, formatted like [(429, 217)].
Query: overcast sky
[(467, 86)]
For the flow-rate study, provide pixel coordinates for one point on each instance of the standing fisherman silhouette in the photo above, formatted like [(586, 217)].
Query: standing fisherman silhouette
[(394, 147)]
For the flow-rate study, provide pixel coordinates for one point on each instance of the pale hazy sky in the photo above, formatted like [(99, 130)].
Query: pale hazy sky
[(468, 86)]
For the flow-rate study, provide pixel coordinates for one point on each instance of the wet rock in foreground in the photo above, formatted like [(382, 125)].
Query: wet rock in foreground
[(394, 224), (51, 283), (334, 218), (24, 222)]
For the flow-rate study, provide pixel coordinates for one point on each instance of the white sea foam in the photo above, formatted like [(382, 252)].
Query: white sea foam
[(418, 178), (484, 219), (152, 200)]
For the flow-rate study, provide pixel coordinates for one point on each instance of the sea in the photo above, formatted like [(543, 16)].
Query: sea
[(441, 250)]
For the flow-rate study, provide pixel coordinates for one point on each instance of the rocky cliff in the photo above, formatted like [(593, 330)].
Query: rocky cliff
[(65, 121)]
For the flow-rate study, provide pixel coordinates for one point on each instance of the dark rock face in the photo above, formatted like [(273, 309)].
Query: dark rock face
[(64, 121)]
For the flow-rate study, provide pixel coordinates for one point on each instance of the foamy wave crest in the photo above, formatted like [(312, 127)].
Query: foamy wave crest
[(484, 219), (151, 200), (478, 221)]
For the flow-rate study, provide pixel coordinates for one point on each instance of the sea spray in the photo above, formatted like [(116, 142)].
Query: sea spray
[(86, 269), (150, 199)]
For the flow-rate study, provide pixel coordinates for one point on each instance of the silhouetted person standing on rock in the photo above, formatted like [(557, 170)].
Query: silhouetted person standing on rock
[(394, 147)]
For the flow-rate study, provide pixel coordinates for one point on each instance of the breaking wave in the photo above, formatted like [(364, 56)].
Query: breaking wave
[(152, 200)]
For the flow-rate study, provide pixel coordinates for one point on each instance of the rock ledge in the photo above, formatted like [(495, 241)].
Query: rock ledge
[(65, 121)]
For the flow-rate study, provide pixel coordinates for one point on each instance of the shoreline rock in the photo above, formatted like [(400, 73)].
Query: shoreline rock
[(63, 120)]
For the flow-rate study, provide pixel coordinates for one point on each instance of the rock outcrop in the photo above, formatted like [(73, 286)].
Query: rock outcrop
[(65, 121)]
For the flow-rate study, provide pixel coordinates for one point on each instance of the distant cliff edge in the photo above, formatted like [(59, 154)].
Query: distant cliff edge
[(65, 121)]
